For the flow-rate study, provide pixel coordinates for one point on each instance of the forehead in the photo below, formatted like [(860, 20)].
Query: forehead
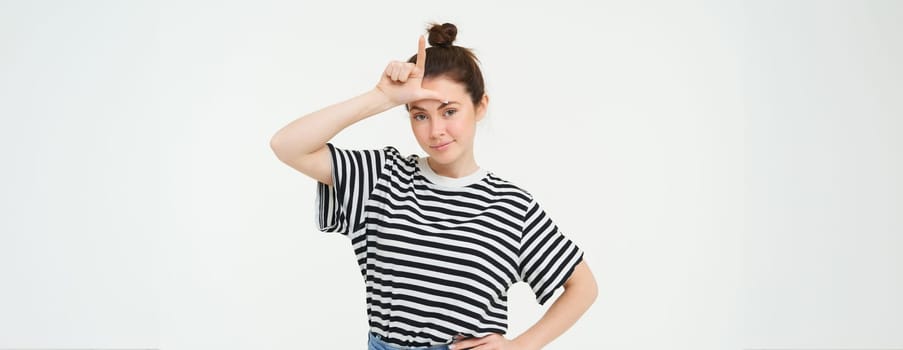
[(451, 89)]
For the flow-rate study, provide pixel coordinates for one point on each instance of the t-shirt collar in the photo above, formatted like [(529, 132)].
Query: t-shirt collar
[(446, 181)]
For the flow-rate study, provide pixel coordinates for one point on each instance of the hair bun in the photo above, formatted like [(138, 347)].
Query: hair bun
[(442, 34)]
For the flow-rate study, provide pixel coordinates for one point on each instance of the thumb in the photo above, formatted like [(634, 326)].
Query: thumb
[(426, 94)]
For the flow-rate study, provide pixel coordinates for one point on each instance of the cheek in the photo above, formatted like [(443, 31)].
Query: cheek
[(420, 130), (462, 128)]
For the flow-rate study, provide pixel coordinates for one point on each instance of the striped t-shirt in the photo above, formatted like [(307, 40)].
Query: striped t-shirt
[(438, 254)]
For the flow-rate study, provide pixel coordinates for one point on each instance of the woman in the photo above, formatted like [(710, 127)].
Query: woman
[(439, 240)]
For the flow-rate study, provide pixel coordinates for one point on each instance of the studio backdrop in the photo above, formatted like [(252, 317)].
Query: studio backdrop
[(732, 170)]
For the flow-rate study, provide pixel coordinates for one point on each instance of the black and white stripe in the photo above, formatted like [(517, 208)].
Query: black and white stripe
[(438, 259)]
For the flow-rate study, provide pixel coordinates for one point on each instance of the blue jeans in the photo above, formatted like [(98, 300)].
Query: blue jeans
[(376, 343)]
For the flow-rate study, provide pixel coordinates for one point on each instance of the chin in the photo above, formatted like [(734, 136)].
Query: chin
[(441, 158)]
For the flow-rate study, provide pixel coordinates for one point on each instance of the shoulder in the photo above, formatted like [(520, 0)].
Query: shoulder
[(398, 166), (384, 157), (395, 156), (390, 154), (504, 187)]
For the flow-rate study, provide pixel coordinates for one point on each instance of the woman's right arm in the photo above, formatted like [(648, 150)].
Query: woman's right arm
[(302, 143)]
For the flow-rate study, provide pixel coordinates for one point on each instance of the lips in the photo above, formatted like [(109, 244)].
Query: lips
[(442, 145)]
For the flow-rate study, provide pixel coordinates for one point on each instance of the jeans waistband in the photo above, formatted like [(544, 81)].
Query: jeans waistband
[(376, 343)]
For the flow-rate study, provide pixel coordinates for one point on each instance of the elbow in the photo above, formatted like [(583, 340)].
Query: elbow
[(584, 282), (592, 291), (289, 148), (278, 147), (588, 290), (592, 287), (274, 144)]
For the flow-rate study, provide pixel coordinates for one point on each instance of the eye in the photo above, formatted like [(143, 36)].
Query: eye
[(450, 112), (419, 117)]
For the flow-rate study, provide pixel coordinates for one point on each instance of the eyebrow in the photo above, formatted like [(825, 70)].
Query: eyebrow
[(413, 107)]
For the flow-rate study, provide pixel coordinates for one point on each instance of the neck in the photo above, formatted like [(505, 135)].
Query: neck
[(461, 167)]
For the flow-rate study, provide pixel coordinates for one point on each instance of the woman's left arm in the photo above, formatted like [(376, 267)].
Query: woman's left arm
[(579, 293)]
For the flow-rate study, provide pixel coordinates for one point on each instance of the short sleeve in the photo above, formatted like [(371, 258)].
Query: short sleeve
[(340, 207), (547, 258)]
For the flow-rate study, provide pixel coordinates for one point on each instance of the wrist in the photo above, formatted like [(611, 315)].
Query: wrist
[(523, 344), (381, 99), (366, 105)]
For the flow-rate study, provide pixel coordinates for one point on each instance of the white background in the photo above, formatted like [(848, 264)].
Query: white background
[(732, 169)]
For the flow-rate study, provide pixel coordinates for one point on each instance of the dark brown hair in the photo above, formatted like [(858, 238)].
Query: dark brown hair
[(453, 62)]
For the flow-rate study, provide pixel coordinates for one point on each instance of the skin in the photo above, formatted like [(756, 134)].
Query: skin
[(445, 131), (441, 113)]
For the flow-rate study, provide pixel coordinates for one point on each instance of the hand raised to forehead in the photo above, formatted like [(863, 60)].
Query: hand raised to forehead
[(402, 81)]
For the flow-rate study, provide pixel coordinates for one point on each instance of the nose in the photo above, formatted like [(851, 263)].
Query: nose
[(437, 127)]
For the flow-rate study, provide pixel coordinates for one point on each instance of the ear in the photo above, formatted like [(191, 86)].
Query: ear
[(481, 107)]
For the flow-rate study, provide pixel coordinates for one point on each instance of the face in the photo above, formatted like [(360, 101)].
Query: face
[(446, 131)]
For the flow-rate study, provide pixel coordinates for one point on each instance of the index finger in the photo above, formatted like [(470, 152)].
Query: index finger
[(421, 53)]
